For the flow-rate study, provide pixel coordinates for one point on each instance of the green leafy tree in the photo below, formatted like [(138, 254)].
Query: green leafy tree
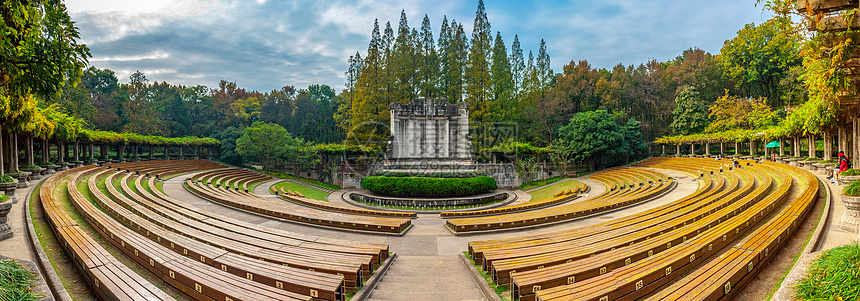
[(264, 142), (228, 145), (732, 112), (760, 58), (595, 137), (690, 113)]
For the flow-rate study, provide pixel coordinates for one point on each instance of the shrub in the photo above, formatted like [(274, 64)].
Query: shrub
[(31, 167), (835, 275), (852, 189), (827, 161), (46, 164), (850, 172), (811, 159), (428, 187), (6, 179)]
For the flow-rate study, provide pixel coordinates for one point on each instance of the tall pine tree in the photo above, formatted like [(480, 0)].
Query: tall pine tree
[(478, 83), (517, 66), (503, 105), (429, 69)]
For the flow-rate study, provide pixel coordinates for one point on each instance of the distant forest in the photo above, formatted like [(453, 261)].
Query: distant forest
[(499, 81)]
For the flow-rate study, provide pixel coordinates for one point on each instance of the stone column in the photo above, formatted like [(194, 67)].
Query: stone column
[(494, 155), (854, 143), (752, 147), (13, 148), (692, 149), (828, 146), (76, 149), (61, 151), (120, 152), (812, 146), (781, 147), (181, 151), (29, 151), (739, 148), (707, 148), (678, 149), (722, 147), (151, 151), (46, 150), (766, 152)]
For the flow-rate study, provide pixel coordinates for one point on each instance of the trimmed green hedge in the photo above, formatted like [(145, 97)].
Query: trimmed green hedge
[(428, 187), (441, 174)]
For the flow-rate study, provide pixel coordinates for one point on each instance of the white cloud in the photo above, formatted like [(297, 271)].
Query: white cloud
[(127, 58)]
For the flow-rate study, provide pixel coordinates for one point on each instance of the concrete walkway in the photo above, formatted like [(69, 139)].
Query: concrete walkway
[(19, 245)]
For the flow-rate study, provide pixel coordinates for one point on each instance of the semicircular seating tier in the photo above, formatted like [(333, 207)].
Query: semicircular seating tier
[(199, 253), (706, 245), (559, 198), (229, 187), (624, 186)]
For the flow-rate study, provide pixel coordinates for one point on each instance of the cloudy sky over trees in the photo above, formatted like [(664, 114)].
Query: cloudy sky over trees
[(266, 44)]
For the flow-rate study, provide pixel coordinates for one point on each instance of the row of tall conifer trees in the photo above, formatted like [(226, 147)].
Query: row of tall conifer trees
[(413, 63)]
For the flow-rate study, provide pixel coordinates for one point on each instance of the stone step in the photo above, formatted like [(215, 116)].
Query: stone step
[(427, 285), (419, 279), (460, 295)]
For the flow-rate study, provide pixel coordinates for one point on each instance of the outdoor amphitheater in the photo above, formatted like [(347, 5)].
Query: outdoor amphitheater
[(330, 151), (661, 228)]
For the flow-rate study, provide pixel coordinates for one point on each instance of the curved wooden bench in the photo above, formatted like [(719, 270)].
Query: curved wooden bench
[(109, 279), (275, 256), (625, 193), (559, 198), (298, 213), (193, 278), (624, 274), (147, 190), (723, 277)]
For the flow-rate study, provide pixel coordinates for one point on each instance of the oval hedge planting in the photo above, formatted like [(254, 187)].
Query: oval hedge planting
[(428, 187)]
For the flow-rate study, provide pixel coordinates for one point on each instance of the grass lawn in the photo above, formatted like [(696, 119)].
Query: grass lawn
[(310, 193), (550, 191)]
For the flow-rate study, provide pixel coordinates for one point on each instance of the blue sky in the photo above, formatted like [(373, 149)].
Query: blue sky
[(267, 44)]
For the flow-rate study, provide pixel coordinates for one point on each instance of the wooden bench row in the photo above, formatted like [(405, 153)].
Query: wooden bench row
[(626, 275), (107, 277), (147, 190), (273, 208), (477, 248), (278, 256), (501, 262), (559, 198), (336, 207), (617, 197), (722, 278), (653, 240), (168, 257)]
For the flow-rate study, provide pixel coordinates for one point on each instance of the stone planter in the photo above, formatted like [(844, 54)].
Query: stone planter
[(851, 217), (5, 228), (135, 159), (22, 178), (10, 190), (49, 169), (809, 165), (90, 162), (77, 164), (824, 169), (793, 161), (35, 173), (61, 166), (845, 180)]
